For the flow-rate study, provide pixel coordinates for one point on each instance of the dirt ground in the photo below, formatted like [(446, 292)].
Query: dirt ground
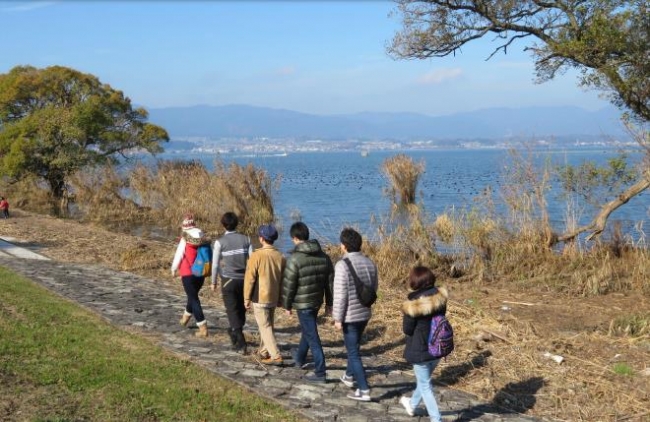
[(509, 338)]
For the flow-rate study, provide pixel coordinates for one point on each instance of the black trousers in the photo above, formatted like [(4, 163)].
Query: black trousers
[(232, 292), (192, 286)]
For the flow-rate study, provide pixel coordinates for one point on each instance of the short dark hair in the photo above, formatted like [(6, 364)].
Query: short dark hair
[(351, 239), (420, 278), (300, 231), (229, 221)]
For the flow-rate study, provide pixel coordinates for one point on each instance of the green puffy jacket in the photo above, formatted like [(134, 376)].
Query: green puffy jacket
[(308, 275)]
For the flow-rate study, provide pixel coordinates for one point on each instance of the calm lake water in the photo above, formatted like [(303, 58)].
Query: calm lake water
[(330, 190)]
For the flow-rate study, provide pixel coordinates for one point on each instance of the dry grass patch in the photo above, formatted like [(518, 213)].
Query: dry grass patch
[(173, 188), (403, 174)]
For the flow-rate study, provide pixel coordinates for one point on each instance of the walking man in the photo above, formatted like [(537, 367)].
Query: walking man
[(262, 291), (308, 276), (229, 257), (349, 314)]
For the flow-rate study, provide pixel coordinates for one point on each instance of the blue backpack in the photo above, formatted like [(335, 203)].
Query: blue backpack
[(441, 337), (202, 266)]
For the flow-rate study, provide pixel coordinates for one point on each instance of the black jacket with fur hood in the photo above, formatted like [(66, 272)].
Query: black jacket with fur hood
[(418, 310)]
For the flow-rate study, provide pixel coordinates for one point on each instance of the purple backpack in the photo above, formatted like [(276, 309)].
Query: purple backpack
[(441, 337)]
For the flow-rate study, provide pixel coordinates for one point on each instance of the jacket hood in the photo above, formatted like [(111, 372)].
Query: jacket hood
[(426, 304), (309, 247)]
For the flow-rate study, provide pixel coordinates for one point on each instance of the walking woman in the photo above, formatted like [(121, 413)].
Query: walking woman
[(185, 255), (423, 303)]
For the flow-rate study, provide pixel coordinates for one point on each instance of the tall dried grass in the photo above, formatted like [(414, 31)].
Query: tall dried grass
[(101, 197), (173, 188), (28, 194), (160, 195), (484, 245), (403, 174)]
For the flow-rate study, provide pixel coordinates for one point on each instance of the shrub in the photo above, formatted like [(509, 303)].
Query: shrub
[(100, 196), (403, 174), (173, 188)]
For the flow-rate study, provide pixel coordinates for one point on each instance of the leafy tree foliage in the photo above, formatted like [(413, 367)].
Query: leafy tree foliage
[(56, 120), (594, 183), (607, 40)]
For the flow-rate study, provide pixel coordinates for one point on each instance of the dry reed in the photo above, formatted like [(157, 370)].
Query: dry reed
[(403, 174)]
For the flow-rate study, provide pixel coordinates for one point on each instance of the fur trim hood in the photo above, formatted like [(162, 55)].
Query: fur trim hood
[(423, 304)]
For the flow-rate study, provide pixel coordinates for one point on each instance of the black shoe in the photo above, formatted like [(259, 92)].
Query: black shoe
[(321, 379), (233, 338), (240, 341)]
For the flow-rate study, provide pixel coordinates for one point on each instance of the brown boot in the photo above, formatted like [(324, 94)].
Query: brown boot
[(203, 331), (185, 319)]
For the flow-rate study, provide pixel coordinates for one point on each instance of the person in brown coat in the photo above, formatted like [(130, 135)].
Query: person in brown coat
[(262, 281)]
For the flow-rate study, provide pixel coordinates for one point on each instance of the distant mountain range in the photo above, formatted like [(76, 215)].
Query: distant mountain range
[(248, 121)]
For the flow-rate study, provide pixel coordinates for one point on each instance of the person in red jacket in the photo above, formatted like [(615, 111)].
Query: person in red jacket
[(4, 207), (185, 255)]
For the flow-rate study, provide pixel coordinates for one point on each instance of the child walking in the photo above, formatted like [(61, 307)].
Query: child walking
[(423, 303)]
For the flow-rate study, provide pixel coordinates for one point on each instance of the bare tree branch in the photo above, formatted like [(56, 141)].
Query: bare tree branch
[(598, 224)]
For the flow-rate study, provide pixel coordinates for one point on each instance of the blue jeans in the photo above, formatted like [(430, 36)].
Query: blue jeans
[(352, 333), (309, 339), (424, 389), (192, 285)]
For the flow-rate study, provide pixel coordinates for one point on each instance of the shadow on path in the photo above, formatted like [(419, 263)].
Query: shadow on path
[(452, 374), (513, 398)]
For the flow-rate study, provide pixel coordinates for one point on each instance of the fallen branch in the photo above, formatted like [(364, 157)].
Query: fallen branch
[(520, 303), (499, 336)]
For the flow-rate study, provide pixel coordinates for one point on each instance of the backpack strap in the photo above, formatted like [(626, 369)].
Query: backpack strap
[(357, 281)]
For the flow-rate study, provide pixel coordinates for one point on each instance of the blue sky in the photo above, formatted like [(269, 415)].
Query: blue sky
[(322, 57)]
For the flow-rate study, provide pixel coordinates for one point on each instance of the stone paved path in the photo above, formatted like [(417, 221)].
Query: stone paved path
[(153, 308)]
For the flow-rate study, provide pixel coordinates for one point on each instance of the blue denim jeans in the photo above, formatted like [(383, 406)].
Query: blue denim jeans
[(352, 333), (310, 340), (424, 389), (192, 285)]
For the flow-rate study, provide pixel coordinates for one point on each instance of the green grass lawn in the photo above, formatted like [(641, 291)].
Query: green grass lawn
[(59, 362)]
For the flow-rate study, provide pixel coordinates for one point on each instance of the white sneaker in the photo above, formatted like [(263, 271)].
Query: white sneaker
[(361, 395), (348, 381), (406, 402)]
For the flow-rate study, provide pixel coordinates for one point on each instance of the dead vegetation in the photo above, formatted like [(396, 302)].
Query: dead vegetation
[(403, 174), (504, 327), (558, 333)]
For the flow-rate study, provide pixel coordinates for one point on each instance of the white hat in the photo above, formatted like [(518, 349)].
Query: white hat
[(194, 235)]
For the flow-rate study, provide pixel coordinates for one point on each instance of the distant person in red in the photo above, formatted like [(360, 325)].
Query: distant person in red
[(4, 207)]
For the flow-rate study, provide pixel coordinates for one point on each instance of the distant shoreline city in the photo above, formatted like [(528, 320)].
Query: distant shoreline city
[(279, 146)]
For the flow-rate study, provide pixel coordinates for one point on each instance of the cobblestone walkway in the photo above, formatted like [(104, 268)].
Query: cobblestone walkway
[(153, 308)]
